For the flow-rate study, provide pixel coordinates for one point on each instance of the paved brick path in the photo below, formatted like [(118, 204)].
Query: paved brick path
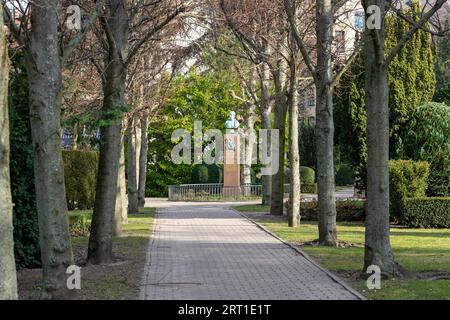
[(211, 252)]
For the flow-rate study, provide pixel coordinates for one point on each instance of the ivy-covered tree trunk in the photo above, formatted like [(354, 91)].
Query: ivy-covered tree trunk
[(326, 203), (267, 125), (115, 25), (8, 280), (143, 162), (134, 137)]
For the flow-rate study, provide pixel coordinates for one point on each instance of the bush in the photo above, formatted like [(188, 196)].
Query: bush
[(200, 174), (407, 179), (346, 210), (426, 212), (80, 174), (307, 175), (164, 173), (79, 225), (308, 188), (215, 173), (344, 175)]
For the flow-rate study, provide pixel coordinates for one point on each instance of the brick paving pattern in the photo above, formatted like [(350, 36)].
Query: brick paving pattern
[(211, 252)]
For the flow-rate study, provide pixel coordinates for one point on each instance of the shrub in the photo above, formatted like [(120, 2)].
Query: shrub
[(346, 210), (200, 174), (307, 175), (79, 225), (344, 175), (308, 188), (215, 173), (407, 179), (80, 174), (164, 173), (426, 212)]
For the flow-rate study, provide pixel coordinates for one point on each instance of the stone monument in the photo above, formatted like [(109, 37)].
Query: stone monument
[(231, 166)]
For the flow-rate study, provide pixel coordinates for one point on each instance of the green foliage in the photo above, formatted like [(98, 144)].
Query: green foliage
[(195, 96), (200, 174), (308, 187), (307, 144), (80, 175), (347, 210), (164, 173), (344, 175), (215, 173), (426, 138), (307, 175), (442, 68), (426, 212), (25, 218), (407, 179), (79, 224)]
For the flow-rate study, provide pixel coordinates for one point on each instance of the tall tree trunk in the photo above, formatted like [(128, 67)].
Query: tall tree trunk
[(122, 185), (276, 204), (249, 135), (119, 214), (44, 76), (294, 154), (377, 239), (8, 280), (100, 240), (265, 124), (326, 204), (143, 162), (132, 164)]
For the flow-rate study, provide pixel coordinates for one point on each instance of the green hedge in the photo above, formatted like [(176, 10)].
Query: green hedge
[(407, 179), (308, 188), (307, 175), (80, 174), (344, 175), (346, 210), (79, 224), (426, 212)]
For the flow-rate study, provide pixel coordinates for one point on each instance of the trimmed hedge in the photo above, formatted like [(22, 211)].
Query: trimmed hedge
[(200, 174), (79, 225), (347, 210), (307, 175), (426, 212), (308, 188), (80, 174), (407, 179)]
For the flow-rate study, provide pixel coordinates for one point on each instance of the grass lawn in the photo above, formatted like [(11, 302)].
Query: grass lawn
[(424, 252), (119, 280)]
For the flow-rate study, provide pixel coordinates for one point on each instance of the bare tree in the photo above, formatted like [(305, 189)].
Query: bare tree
[(36, 28), (377, 249), (324, 80), (8, 281)]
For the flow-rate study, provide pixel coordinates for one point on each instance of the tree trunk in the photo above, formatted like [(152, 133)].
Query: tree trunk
[(143, 162), (377, 239), (100, 240), (44, 76), (266, 124), (132, 164), (119, 214), (122, 185), (294, 154), (276, 204), (326, 204), (8, 280)]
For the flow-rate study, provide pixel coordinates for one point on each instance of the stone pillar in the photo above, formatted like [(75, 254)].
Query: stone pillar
[(231, 167)]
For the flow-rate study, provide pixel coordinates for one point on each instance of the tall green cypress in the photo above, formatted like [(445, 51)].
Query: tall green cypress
[(411, 82)]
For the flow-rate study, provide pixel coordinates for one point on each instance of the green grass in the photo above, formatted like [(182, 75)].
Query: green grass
[(417, 250)]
